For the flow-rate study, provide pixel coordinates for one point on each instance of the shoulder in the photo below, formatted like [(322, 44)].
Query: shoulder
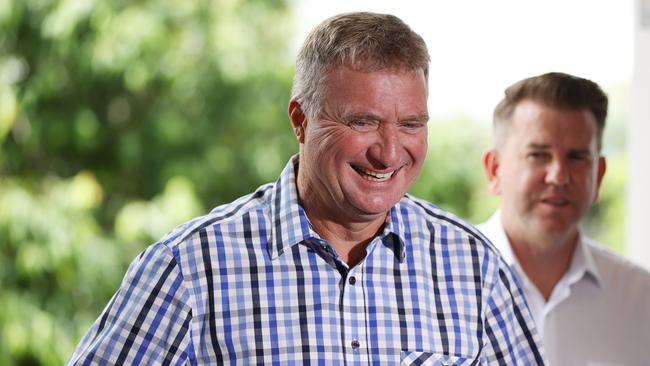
[(223, 215), (456, 234), (437, 218), (433, 214), (618, 271)]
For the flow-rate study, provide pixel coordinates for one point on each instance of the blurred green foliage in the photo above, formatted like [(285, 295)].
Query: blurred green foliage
[(118, 121), (452, 176), (122, 119)]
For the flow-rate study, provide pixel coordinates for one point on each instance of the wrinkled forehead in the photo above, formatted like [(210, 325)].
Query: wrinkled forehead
[(335, 70), (363, 63)]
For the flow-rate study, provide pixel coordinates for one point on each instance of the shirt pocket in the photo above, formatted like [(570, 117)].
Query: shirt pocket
[(431, 359)]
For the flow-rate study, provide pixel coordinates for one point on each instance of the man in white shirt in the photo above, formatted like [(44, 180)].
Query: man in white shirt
[(591, 305)]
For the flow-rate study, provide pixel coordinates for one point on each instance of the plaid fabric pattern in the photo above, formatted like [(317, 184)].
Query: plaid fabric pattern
[(252, 283)]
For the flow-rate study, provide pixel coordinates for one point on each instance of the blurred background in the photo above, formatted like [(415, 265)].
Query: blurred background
[(121, 119)]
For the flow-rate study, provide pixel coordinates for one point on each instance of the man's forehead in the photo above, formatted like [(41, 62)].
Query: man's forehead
[(534, 115), (365, 67), (534, 106), (549, 128)]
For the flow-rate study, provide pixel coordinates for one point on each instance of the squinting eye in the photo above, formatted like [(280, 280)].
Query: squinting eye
[(362, 125), (412, 125)]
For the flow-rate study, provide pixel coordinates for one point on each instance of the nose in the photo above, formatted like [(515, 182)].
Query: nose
[(385, 152), (557, 172)]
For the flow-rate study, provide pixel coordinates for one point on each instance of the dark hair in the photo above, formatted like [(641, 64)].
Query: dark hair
[(364, 41), (556, 90)]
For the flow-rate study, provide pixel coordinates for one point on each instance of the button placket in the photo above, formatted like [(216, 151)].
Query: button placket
[(355, 317)]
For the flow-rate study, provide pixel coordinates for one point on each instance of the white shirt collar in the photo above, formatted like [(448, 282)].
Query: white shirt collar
[(582, 263)]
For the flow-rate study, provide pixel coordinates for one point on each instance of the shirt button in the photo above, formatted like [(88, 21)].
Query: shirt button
[(352, 280), (355, 344)]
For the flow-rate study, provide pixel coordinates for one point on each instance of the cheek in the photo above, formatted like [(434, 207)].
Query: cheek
[(417, 147), (533, 181), (522, 181), (589, 184), (327, 141)]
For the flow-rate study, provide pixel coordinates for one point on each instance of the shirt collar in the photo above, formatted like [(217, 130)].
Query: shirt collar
[(291, 226), (582, 263), (395, 226)]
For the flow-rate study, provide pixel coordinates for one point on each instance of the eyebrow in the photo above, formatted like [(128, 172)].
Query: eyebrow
[(422, 117), (580, 151), (537, 146), (362, 115)]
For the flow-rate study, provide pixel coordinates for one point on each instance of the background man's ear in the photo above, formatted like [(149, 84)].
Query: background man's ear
[(491, 167), (602, 166), (298, 120)]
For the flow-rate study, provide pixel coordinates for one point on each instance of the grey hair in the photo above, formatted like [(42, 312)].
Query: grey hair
[(363, 41)]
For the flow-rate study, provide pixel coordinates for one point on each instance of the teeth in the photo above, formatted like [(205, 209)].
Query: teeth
[(374, 175)]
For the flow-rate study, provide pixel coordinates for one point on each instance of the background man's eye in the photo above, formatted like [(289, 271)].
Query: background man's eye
[(537, 155)]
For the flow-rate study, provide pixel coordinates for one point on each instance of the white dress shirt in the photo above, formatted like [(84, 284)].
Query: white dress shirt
[(599, 311)]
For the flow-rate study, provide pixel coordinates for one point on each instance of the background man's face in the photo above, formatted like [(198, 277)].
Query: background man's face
[(549, 171), (363, 151)]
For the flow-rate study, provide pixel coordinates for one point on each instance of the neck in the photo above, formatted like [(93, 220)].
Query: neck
[(349, 240), (348, 232), (544, 262)]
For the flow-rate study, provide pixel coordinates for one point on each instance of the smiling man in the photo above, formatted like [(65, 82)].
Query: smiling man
[(590, 304), (361, 153), (333, 264)]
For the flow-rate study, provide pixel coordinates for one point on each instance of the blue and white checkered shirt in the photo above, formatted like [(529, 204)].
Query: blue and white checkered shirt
[(252, 283)]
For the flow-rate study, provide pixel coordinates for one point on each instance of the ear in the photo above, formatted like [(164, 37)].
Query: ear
[(491, 166), (602, 166), (298, 120)]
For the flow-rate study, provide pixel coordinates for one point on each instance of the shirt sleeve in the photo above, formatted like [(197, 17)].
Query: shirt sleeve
[(510, 336), (147, 321)]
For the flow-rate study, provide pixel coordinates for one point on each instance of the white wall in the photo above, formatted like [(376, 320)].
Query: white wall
[(638, 192)]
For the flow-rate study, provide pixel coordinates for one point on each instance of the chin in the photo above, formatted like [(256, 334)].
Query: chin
[(374, 209), (557, 229)]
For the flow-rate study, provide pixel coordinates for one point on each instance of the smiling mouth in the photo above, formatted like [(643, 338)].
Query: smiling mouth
[(372, 175)]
